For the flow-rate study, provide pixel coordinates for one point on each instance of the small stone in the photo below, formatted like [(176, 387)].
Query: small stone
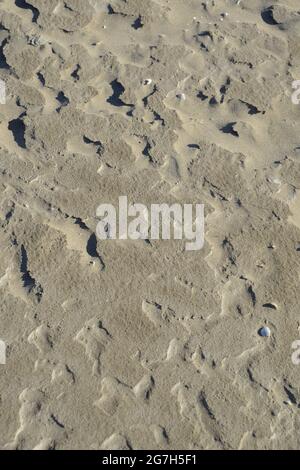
[(265, 332), (148, 81)]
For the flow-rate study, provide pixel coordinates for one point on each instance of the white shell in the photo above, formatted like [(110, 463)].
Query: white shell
[(35, 41), (265, 332)]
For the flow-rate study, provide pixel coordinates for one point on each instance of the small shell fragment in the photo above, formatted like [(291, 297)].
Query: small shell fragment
[(35, 41), (265, 332)]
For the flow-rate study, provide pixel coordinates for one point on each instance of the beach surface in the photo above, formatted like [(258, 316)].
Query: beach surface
[(123, 344)]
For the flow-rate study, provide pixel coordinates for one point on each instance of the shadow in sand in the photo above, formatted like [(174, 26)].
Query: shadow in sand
[(17, 127), (26, 6), (118, 91), (3, 62), (267, 16)]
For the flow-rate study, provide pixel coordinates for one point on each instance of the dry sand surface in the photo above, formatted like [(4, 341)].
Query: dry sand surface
[(141, 344)]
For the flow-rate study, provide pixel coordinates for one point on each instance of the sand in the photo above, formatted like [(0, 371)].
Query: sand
[(134, 344)]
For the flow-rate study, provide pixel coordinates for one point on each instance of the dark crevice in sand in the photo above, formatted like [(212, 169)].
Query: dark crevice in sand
[(91, 249), (270, 305), (138, 24), (214, 191), (146, 98), (229, 129), (58, 423), (41, 78), (3, 62), (194, 146), (29, 283), (251, 108), (26, 277), (10, 213), (68, 7), (224, 88), (75, 73), (146, 152), (157, 117), (111, 11), (252, 379), (96, 143), (17, 127), (202, 96), (250, 375), (203, 401), (27, 6), (290, 395), (63, 100), (118, 91), (229, 249), (206, 33), (213, 101), (80, 222), (89, 141), (252, 295), (267, 16)]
